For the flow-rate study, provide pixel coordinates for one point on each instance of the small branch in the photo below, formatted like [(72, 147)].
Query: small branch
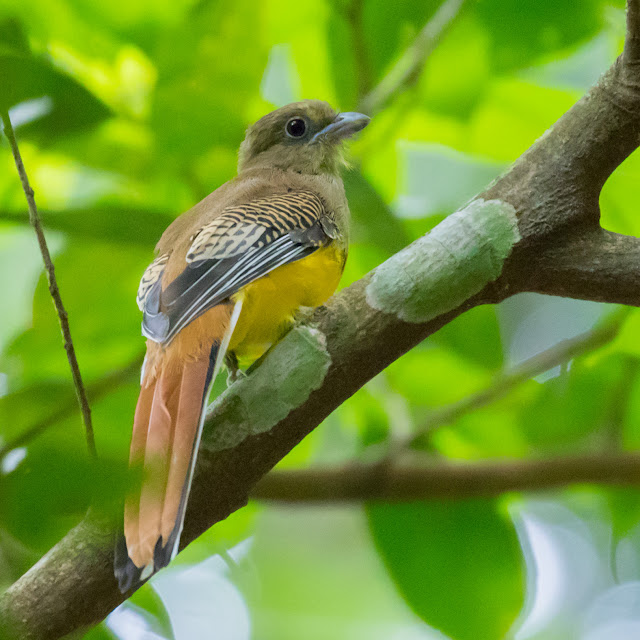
[(53, 285), (631, 53), (95, 391), (451, 481), (363, 68), (618, 405), (559, 354), (406, 72)]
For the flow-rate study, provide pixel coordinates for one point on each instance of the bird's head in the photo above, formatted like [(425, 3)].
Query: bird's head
[(303, 136)]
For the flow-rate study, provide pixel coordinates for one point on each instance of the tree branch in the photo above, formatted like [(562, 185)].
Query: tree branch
[(560, 353), (631, 53), (594, 265), (493, 248), (450, 480), (406, 71), (34, 218)]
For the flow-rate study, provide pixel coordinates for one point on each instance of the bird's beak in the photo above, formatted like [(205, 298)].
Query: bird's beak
[(344, 126)]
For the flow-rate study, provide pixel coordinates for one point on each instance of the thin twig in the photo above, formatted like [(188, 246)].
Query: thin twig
[(445, 480), (405, 73), (631, 52), (557, 355), (618, 404), (95, 391), (363, 67), (53, 285)]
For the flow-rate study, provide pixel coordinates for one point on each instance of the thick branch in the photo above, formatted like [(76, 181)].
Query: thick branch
[(594, 265), (553, 189), (53, 284), (453, 481)]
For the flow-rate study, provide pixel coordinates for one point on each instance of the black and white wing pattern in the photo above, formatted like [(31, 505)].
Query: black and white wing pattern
[(243, 244)]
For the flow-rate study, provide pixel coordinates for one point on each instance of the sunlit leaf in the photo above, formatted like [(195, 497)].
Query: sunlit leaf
[(152, 608), (220, 538), (47, 103), (448, 557), (190, 112), (100, 632), (523, 31), (374, 221)]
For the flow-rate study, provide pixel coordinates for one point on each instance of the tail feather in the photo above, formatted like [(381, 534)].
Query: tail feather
[(162, 425), (166, 436), (188, 414)]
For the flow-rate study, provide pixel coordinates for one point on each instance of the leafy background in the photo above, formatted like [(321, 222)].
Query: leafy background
[(128, 112)]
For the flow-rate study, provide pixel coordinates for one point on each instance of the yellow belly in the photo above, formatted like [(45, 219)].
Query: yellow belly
[(270, 303)]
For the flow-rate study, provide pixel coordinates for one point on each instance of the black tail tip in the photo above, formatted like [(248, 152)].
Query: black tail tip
[(128, 575), (162, 555)]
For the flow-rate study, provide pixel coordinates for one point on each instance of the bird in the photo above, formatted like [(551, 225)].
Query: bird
[(229, 276)]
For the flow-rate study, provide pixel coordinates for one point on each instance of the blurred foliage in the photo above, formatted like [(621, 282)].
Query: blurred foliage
[(128, 113), (431, 568)]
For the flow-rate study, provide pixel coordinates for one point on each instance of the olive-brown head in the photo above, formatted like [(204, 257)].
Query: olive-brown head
[(302, 136)]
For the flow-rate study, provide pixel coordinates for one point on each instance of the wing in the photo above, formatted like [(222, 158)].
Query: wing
[(241, 245), (150, 277)]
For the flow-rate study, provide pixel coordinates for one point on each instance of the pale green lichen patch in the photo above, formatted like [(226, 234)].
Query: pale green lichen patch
[(295, 367), (454, 261)]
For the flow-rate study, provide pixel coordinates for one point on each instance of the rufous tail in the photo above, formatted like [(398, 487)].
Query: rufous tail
[(166, 435)]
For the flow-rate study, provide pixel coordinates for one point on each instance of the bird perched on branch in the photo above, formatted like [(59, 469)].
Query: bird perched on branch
[(229, 276)]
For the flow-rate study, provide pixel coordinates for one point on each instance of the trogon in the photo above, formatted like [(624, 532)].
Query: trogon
[(227, 281)]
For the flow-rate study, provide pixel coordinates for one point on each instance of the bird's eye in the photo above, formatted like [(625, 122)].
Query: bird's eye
[(296, 127)]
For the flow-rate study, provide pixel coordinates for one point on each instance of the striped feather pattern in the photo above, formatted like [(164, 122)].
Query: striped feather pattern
[(255, 224), (151, 275)]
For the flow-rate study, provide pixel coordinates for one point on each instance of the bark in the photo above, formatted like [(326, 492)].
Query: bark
[(553, 188), (406, 482)]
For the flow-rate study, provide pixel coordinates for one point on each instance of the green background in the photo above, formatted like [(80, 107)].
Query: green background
[(129, 112)]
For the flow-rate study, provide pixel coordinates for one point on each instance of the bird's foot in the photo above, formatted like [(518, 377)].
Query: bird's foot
[(304, 315), (235, 373)]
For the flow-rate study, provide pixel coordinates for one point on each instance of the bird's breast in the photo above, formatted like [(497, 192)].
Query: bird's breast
[(270, 303)]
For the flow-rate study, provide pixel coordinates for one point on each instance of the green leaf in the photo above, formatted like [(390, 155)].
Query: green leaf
[(98, 283), (206, 72), (458, 564), (523, 31), (342, 58), (465, 48), (220, 538), (109, 223), (474, 335), (151, 607), (13, 37), (622, 188), (573, 408), (512, 117), (60, 104), (374, 222), (388, 28), (35, 404), (50, 490), (624, 503), (100, 632), (425, 376)]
